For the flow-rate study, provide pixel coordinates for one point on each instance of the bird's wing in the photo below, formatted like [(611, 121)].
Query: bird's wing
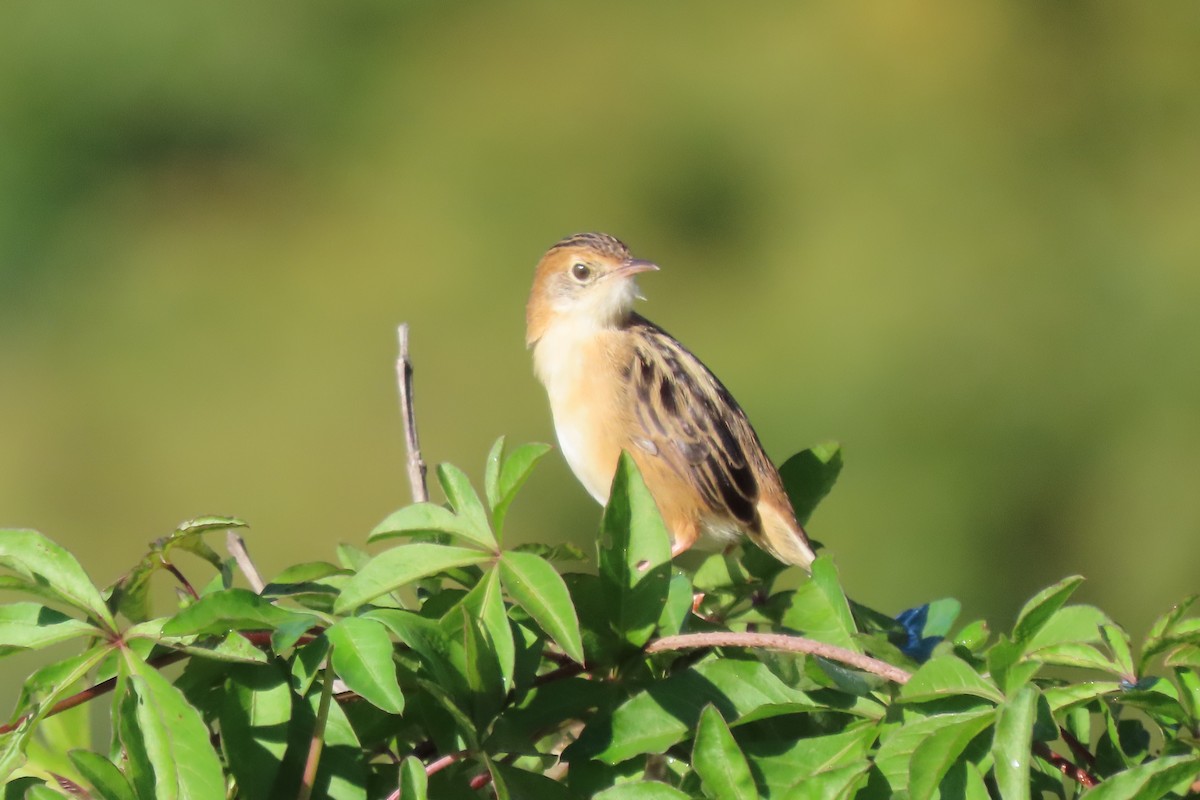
[(688, 419)]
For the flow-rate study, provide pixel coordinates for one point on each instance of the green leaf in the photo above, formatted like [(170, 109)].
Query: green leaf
[(537, 587), (897, 744), (485, 604), (304, 572), (678, 606), (48, 568), (635, 554), (666, 712), (55, 680), (934, 757), (819, 609), (362, 657), (102, 774), (1038, 611), (946, 676), (414, 784), (1149, 781), (1162, 629), (1063, 697), (31, 626), (1185, 655), (1189, 690), (941, 615), (809, 475), (1074, 655), (481, 669), (400, 566), (465, 502), (791, 764), (517, 468), (307, 663), (1012, 741), (232, 609), (171, 736), (1070, 625), (1118, 644), (441, 654), (719, 762), (424, 518), (524, 785), (973, 636), (206, 523), (255, 712), (341, 772), (642, 790), (491, 472)]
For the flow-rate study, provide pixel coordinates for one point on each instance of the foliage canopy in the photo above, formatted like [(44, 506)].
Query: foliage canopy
[(453, 665)]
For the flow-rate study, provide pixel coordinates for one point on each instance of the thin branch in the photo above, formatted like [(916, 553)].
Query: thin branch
[(404, 377), (174, 570), (92, 692), (1078, 749), (445, 761), (318, 735), (780, 641), (1064, 765), (236, 546)]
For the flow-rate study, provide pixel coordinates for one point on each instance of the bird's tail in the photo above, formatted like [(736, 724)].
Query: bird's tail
[(784, 538)]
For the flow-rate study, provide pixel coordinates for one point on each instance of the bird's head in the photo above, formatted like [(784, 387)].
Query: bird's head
[(586, 279)]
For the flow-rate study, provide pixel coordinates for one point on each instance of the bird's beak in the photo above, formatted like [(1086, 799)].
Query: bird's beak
[(635, 265)]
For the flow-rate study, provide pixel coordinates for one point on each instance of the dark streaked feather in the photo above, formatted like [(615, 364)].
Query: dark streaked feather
[(696, 425)]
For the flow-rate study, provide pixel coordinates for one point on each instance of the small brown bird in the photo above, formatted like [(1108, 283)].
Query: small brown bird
[(617, 382)]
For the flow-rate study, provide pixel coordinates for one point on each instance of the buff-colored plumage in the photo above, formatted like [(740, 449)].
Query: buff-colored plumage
[(617, 381)]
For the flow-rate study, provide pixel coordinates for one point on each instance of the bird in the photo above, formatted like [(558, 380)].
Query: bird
[(618, 382)]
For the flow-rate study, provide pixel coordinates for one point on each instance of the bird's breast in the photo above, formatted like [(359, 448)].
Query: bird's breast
[(585, 392)]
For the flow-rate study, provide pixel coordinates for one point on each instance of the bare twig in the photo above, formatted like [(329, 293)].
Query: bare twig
[(236, 546), (780, 641), (404, 373)]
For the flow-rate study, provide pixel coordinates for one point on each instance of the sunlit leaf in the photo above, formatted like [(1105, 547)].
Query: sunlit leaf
[(232, 609), (50, 568), (1148, 781), (172, 737), (30, 626), (465, 502), (933, 757), (423, 518), (719, 761), (362, 657), (254, 715), (538, 588), (102, 774), (400, 566), (516, 469), (945, 676), (819, 609), (1012, 741), (414, 784), (635, 555)]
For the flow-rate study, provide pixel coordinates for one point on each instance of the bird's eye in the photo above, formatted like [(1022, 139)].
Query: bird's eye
[(581, 272)]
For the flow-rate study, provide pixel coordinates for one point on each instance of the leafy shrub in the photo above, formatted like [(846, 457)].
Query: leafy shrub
[(453, 666)]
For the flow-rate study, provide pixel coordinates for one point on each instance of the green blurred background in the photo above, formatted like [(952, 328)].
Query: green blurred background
[(961, 238)]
